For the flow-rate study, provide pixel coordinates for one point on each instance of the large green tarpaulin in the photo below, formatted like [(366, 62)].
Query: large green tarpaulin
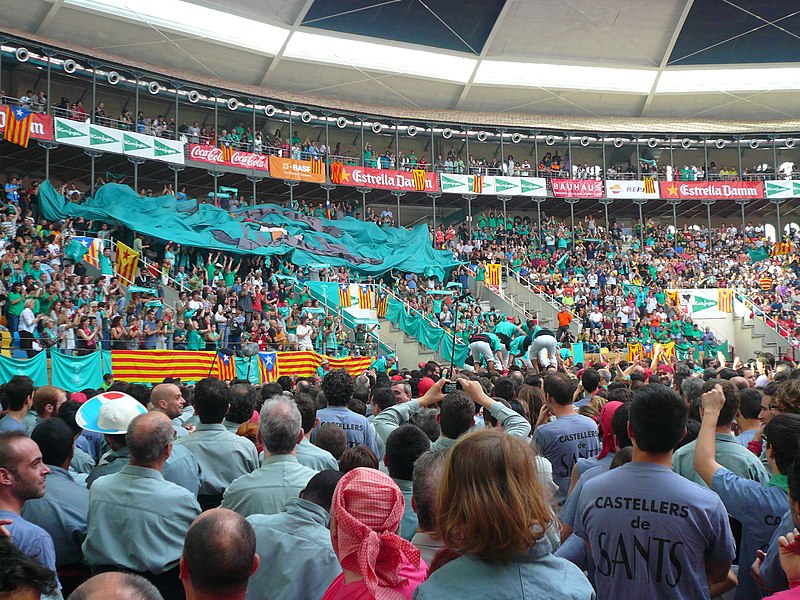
[(435, 338), (265, 230)]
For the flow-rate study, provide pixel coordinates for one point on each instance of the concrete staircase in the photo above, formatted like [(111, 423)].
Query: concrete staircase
[(408, 350)]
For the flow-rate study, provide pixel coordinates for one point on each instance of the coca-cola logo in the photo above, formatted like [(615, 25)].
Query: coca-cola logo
[(205, 153), (249, 160)]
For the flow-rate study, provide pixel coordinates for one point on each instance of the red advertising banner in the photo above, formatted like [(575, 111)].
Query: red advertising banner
[(577, 188), (41, 125), (384, 179), (711, 190), (243, 160)]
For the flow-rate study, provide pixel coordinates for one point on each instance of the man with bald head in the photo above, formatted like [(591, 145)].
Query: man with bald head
[(116, 586), (137, 520), (168, 399), (231, 541)]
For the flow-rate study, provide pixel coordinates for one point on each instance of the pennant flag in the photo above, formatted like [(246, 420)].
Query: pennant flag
[(227, 151), (758, 254), (493, 275), (364, 296), (226, 366), (635, 352), (268, 366), (382, 304), (151, 366), (127, 262), (18, 125), (344, 295), (725, 300), (782, 248)]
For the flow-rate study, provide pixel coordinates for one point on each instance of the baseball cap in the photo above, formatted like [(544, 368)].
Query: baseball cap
[(424, 385), (109, 413)]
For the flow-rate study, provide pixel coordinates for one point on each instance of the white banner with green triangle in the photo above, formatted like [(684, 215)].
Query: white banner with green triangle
[(106, 139), (491, 185), (784, 188)]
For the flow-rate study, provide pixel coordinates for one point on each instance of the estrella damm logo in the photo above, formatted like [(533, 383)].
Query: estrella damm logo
[(649, 185), (419, 180), (337, 172), (317, 167)]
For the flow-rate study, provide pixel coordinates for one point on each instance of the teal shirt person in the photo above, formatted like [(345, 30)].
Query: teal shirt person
[(297, 557), (494, 341), (266, 490), (154, 515), (506, 328), (408, 524), (223, 456)]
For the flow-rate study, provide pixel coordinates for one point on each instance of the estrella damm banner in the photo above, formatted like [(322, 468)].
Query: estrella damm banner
[(384, 179), (299, 170)]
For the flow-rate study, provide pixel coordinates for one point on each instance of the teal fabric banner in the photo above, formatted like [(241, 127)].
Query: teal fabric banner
[(577, 353), (106, 361), (75, 373), (35, 368), (242, 365), (429, 336), (264, 230)]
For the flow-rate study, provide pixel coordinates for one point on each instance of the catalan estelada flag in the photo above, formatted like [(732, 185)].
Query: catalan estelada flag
[(127, 263), (227, 151), (382, 304), (782, 248), (18, 125), (344, 295), (493, 274), (364, 296), (152, 366), (226, 366), (268, 366), (635, 352), (317, 166), (328, 212), (92, 245), (477, 184), (419, 179), (725, 300)]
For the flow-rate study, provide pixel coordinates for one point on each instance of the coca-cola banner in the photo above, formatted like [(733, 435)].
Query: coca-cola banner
[(238, 158), (577, 188), (416, 180), (711, 190)]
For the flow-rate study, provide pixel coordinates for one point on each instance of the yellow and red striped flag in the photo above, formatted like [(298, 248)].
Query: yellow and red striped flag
[(354, 366), (344, 295), (92, 255), (152, 366), (317, 166), (419, 179), (268, 366), (382, 304), (493, 274), (765, 281), (18, 125), (127, 263), (635, 352), (364, 296), (226, 366), (477, 184), (725, 300), (782, 248), (227, 151)]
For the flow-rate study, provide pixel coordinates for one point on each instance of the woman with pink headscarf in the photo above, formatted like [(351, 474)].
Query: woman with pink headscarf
[(377, 563)]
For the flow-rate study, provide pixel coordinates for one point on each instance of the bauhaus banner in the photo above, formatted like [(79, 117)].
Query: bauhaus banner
[(213, 155), (301, 170), (646, 188), (488, 185), (41, 125), (712, 190), (577, 188), (416, 180)]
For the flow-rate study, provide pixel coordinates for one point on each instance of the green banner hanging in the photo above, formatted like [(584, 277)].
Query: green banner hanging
[(35, 368), (75, 373)]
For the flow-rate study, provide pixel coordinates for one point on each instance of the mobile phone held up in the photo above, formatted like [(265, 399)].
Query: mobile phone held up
[(451, 386)]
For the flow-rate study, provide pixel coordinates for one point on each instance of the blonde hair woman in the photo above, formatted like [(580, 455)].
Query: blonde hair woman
[(492, 507)]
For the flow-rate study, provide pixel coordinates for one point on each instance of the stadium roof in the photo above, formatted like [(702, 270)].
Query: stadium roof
[(686, 59)]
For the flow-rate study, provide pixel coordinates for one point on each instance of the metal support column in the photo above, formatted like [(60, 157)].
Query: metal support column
[(216, 175), (328, 187), (93, 155), (433, 196), (641, 202), (674, 202), (469, 198), (363, 191), (605, 202), (136, 160), (572, 202), (539, 216), (176, 169), (292, 184), (779, 229), (742, 202), (254, 179), (47, 147), (504, 200), (709, 204), (398, 194)]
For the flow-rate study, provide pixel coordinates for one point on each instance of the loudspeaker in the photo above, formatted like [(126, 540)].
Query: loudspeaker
[(306, 116), (482, 135), (412, 130), (341, 122), (22, 54), (153, 87), (70, 66), (516, 138), (585, 141), (618, 143), (447, 133), (113, 77), (652, 142), (193, 96), (233, 103), (377, 127), (269, 110), (550, 140)]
